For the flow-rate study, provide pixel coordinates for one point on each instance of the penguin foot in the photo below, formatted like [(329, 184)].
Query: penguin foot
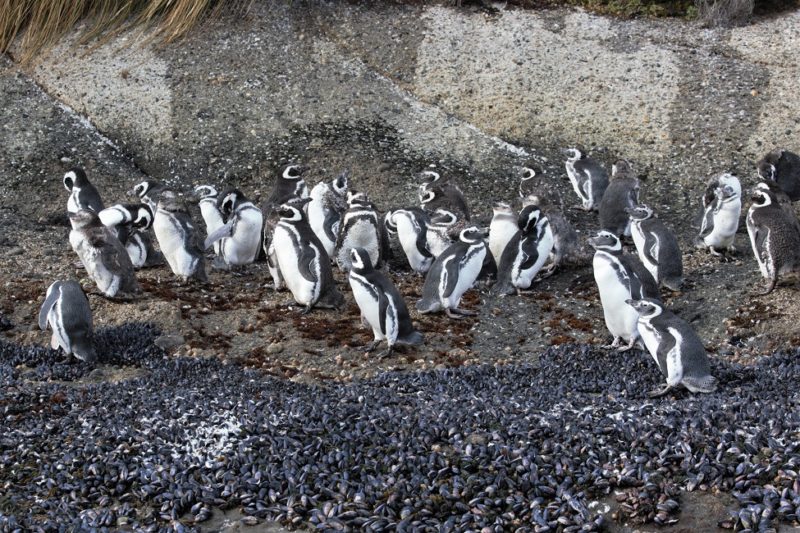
[(371, 346), (388, 353), (771, 284), (659, 392), (614, 344), (219, 264), (450, 313), (461, 312), (307, 309), (628, 346)]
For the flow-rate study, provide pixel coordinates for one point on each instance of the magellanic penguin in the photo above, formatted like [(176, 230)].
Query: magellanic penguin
[(68, 313), (453, 273), (657, 247), (588, 178), (381, 304), (131, 224), (105, 259), (206, 197), (240, 236), (361, 227), (179, 239), (773, 236), (149, 192), (782, 167), (525, 254), (568, 248), (303, 263), (622, 193), (437, 192), (412, 229), (82, 194), (326, 208), (722, 207), (502, 229), (619, 278), (443, 230), (782, 199), (676, 348)]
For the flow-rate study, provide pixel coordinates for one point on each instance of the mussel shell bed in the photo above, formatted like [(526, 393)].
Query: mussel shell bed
[(493, 448)]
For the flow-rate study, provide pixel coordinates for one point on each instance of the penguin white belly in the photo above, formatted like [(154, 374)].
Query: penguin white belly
[(360, 234), (212, 218), (525, 278), (621, 319), (59, 339), (170, 240), (136, 251), (726, 222), (467, 274), (674, 359), (638, 241), (274, 268), (651, 339), (368, 304), (437, 241), (287, 254), (316, 218), (72, 201), (574, 180), (500, 232), (407, 235), (241, 248)]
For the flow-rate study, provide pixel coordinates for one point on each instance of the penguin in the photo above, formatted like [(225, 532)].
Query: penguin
[(149, 192), (782, 167), (303, 263), (589, 179), (68, 313), (620, 277), (326, 208), (525, 254), (240, 236), (82, 194), (782, 199), (443, 230), (380, 303), (361, 227), (527, 185), (676, 348), (178, 238), (412, 231), (622, 192), (290, 184), (436, 192), (453, 273), (206, 197), (722, 207), (131, 224), (502, 229), (103, 256), (568, 248), (773, 237), (657, 247)]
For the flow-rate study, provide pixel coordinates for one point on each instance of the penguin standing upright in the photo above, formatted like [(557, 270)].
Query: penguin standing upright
[(301, 258), (437, 192), (412, 229), (525, 254), (782, 199), (502, 229), (453, 273), (782, 167), (68, 313), (722, 207), (568, 249), (105, 259), (622, 193), (619, 278), (179, 239), (289, 185), (443, 230), (240, 236), (657, 247), (149, 192), (380, 303), (361, 227), (773, 237), (326, 208), (82, 194), (131, 223), (676, 348), (206, 196), (588, 178)]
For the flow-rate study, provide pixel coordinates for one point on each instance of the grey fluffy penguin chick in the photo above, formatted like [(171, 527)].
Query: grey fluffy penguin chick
[(773, 237), (361, 227), (622, 193), (782, 167), (68, 313)]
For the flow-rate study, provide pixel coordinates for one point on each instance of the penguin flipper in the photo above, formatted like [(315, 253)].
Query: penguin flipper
[(331, 224), (53, 293), (221, 232), (708, 221), (650, 248), (305, 262)]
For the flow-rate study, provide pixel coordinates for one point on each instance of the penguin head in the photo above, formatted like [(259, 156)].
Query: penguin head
[(358, 199), (471, 235), (75, 177), (340, 183), (291, 212), (622, 169), (205, 191), (646, 307), (428, 177), (427, 195), (529, 218), (389, 223), (768, 165), (729, 186), (502, 207), (84, 218), (573, 154), (294, 172), (144, 188), (639, 212), (443, 217), (360, 260), (605, 240), (228, 200), (762, 196), (142, 217), (169, 201)]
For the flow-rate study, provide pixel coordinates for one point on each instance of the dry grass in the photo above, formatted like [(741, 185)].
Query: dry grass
[(724, 13), (40, 24)]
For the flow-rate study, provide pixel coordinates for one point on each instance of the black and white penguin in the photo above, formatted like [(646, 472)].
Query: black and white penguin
[(588, 177), (326, 208), (782, 167), (722, 207), (302, 261), (620, 277), (453, 273), (443, 230), (502, 229), (149, 192), (104, 257), (179, 239), (525, 254), (657, 247), (290, 184), (131, 224), (380, 303), (773, 237), (412, 229), (782, 199), (676, 348), (82, 194), (68, 313), (361, 227), (622, 193), (206, 197), (240, 236), (568, 248), (437, 192)]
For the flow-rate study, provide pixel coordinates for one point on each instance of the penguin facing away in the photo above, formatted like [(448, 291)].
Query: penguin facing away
[(240, 236), (773, 237), (68, 313), (525, 254), (782, 167), (361, 227), (206, 196), (82, 194), (657, 247), (588, 178), (179, 239), (437, 192), (132, 223), (723, 205), (622, 192), (381, 304), (676, 348), (412, 230), (453, 273), (328, 204)]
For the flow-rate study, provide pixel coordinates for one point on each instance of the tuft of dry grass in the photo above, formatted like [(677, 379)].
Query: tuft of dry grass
[(40, 24), (724, 13)]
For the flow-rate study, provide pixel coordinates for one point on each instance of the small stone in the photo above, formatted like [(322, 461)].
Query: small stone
[(275, 347), (169, 341)]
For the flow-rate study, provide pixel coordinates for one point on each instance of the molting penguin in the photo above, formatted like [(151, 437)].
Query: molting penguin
[(722, 207), (361, 227), (303, 263), (436, 192), (453, 273), (773, 236), (206, 196), (131, 224), (525, 254), (657, 247), (66, 309), (82, 194), (381, 304), (179, 239), (412, 230), (622, 193), (619, 278), (589, 179), (443, 230), (328, 204), (240, 236), (502, 229), (782, 167), (676, 348), (149, 192), (105, 259)]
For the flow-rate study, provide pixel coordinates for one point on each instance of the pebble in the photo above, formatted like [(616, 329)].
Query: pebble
[(275, 347), (169, 341)]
